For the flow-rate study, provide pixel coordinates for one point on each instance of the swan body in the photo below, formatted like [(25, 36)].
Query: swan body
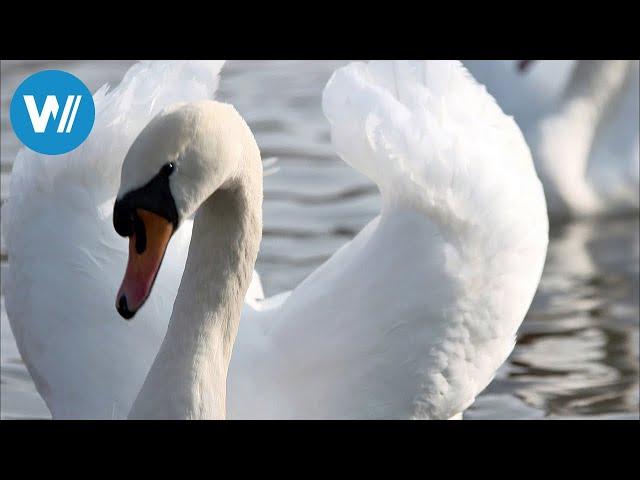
[(410, 319), (581, 120)]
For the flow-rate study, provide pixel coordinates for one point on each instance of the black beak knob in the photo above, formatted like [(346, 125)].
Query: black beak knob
[(123, 218)]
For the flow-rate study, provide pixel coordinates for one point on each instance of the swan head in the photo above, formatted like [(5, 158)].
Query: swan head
[(186, 153)]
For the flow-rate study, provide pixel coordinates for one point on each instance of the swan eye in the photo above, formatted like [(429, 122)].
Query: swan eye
[(168, 168)]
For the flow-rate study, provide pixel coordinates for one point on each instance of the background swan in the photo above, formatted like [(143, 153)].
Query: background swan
[(581, 120), (449, 176)]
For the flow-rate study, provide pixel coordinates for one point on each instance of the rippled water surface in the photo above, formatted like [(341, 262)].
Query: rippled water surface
[(577, 351)]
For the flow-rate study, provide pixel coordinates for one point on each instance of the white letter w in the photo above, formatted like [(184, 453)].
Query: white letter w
[(40, 120)]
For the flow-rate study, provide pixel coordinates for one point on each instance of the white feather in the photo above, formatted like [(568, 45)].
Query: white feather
[(582, 122)]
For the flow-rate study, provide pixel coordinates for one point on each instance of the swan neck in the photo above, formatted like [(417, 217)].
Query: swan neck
[(188, 376), (566, 137)]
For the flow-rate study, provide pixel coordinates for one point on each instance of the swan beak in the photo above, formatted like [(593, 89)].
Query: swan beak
[(147, 245), (523, 65)]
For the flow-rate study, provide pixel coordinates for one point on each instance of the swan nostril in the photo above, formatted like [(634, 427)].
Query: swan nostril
[(123, 308)]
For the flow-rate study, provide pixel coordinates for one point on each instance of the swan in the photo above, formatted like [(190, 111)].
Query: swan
[(63, 252), (581, 119), (410, 319)]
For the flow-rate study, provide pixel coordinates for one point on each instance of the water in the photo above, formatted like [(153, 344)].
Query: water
[(577, 351)]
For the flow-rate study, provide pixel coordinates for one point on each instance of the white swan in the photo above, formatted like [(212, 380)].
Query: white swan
[(581, 120), (66, 259), (411, 319)]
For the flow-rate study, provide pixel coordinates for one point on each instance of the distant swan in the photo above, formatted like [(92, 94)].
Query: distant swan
[(410, 319), (582, 122)]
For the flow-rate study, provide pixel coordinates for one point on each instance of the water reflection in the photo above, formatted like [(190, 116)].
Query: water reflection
[(577, 352)]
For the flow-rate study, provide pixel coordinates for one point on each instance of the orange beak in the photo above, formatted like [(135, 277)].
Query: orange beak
[(147, 246)]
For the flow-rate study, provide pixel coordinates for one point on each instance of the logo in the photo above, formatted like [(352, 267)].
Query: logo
[(52, 112)]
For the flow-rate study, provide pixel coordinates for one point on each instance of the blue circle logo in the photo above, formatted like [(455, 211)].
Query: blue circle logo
[(52, 112)]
